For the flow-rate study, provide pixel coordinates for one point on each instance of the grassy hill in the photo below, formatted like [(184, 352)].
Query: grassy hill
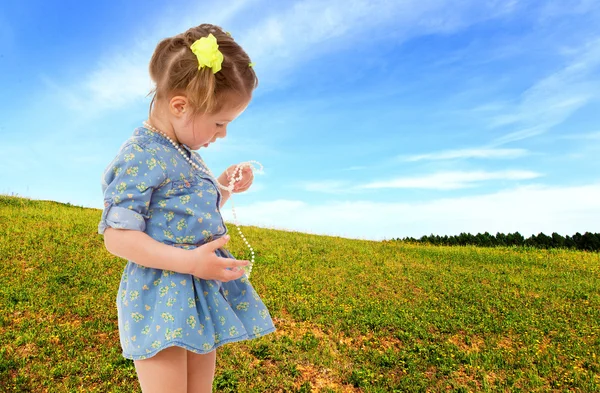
[(352, 316)]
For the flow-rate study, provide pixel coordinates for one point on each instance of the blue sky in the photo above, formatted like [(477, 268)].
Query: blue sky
[(374, 119)]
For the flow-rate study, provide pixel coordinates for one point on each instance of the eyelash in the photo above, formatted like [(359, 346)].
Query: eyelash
[(220, 125)]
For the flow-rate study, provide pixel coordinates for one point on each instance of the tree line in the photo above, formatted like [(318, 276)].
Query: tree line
[(586, 242)]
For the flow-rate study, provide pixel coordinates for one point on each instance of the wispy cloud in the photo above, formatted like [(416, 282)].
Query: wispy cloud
[(451, 180), (528, 210), (553, 99), (436, 181), (585, 136), (121, 77), (487, 153), (310, 28), (283, 39)]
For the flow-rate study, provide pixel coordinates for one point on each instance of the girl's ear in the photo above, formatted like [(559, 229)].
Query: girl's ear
[(178, 105)]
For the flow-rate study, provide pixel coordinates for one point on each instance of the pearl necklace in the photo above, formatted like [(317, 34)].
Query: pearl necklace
[(228, 188)]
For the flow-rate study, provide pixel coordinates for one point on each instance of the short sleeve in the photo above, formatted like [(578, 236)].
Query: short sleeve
[(128, 184)]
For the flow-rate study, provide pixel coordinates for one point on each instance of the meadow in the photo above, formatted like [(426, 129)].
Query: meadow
[(352, 315)]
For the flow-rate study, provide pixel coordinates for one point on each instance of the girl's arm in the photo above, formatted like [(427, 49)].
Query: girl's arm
[(201, 262), (137, 246), (224, 197)]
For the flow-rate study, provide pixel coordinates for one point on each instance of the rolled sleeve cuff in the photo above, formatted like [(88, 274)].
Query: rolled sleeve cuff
[(121, 218)]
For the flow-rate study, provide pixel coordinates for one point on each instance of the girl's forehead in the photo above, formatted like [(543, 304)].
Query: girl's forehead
[(230, 112)]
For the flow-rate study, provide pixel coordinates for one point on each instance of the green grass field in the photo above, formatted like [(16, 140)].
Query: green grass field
[(352, 316)]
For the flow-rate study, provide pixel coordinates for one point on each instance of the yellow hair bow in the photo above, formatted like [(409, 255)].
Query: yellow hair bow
[(207, 51)]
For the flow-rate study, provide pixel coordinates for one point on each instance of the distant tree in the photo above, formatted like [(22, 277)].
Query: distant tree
[(570, 243), (590, 242), (557, 240), (577, 238), (500, 239), (515, 239), (483, 239), (543, 241)]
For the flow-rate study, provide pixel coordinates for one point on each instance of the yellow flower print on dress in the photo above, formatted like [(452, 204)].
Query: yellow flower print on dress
[(181, 224), (151, 163), (243, 306), (137, 316), (189, 211), (142, 187), (171, 302), (128, 157), (133, 171), (133, 295), (167, 317), (185, 239), (162, 203), (191, 302), (156, 344), (168, 234), (173, 334), (184, 199), (233, 331), (257, 330), (191, 321), (122, 187), (169, 216), (164, 291)]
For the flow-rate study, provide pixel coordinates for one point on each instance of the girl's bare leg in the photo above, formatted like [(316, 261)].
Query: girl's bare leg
[(201, 372), (165, 372)]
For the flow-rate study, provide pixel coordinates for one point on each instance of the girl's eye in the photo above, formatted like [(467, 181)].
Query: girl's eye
[(220, 124)]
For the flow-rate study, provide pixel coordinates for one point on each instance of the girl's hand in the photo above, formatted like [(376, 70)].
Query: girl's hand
[(204, 263), (240, 185)]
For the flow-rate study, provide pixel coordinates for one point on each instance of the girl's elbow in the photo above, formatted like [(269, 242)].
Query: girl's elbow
[(109, 238)]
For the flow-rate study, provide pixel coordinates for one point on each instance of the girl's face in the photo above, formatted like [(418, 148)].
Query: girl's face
[(201, 130)]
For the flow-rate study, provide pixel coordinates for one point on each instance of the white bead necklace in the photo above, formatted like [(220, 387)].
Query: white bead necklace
[(228, 188)]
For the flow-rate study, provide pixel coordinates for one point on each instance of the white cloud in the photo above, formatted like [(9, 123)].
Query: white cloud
[(451, 180), (528, 210), (585, 136), (311, 28), (121, 76), (469, 153), (283, 39), (552, 100)]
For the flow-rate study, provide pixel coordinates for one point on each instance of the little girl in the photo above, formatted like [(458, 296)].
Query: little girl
[(181, 294)]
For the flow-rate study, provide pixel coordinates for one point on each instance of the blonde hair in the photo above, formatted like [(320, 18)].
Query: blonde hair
[(174, 70)]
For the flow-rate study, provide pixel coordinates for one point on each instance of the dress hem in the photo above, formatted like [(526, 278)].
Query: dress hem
[(201, 351)]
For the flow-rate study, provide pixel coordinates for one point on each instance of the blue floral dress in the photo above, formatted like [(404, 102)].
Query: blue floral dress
[(150, 187)]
